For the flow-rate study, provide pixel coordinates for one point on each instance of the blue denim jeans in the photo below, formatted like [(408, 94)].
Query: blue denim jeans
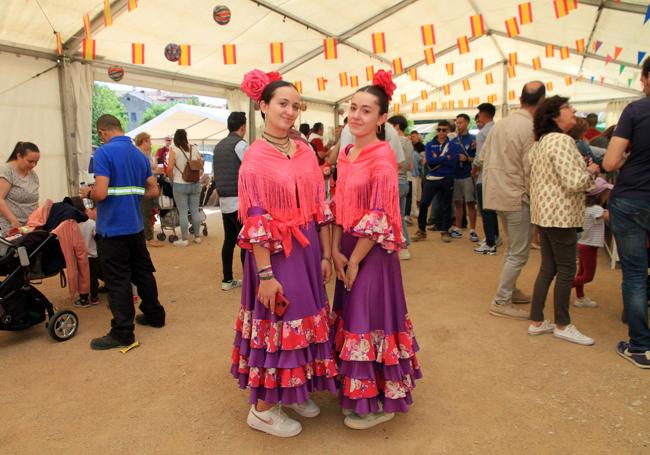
[(403, 192), (630, 221), (187, 196)]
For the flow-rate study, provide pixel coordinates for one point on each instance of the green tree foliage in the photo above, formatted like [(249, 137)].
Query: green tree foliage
[(156, 109), (106, 102)]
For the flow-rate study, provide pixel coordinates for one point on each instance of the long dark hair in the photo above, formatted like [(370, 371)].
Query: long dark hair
[(180, 140), (21, 149), (382, 101), (269, 91)]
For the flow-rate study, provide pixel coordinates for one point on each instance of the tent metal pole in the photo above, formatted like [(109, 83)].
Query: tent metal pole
[(504, 104), (69, 128), (617, 6), (591, 35)]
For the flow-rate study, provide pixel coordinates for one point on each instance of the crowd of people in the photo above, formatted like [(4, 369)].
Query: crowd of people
[(304, 210)]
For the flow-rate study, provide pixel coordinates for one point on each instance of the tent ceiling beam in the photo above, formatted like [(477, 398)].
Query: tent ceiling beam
[(591, 36), (562, 74), (96, 24), (617, 6), (573, 50), (27, 51)]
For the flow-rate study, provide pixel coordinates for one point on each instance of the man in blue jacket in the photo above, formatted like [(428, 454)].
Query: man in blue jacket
[(443, 161)]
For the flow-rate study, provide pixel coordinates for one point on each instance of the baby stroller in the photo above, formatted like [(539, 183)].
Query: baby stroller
[(23, 259), (168, 214)]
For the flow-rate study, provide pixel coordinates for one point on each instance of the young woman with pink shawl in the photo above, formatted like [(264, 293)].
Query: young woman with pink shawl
[(282, 358), (373, 334)]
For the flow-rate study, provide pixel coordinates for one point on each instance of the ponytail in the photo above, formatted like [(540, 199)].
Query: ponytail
[(21, 149)]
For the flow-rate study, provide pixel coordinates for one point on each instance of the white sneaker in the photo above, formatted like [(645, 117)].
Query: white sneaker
[(485, 249), (572, 334), (584, 302), (197, 240), (306, 409), (404, 254), (546, 327), (273, 421), (228, 285), (357, 422), (180, 243)]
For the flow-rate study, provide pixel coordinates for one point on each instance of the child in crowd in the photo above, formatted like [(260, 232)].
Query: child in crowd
[(593, 237), (88, 231)]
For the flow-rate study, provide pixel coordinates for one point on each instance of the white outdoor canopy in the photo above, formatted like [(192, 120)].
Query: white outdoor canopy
[(53, 109)]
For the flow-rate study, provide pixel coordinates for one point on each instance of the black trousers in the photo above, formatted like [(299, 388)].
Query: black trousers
[(95, 275), (443, 188), (409, 200), (231, 227), (125, 260)]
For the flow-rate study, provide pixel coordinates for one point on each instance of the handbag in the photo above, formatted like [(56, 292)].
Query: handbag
[(191, 173)]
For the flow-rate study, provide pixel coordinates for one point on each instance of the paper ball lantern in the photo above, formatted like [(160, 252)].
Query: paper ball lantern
[(172, 52), (221, 14), (116, 73)]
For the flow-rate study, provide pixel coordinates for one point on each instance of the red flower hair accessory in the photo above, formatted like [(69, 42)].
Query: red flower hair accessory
[(255, 81), (384, 79)]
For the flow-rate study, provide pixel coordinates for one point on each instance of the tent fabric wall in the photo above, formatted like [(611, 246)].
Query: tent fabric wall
[(79, 83), (30, 110)]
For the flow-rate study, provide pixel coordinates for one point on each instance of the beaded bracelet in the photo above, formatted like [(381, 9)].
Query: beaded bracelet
[(266, 277), (326, 258)]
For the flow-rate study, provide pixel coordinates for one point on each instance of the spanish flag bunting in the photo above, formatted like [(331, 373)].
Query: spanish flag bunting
[(470, 102), (492, 98), (424, 95), (298, 85), (580, 45), (477, 25), (370, 72), (511, 95), (343, 79), (617, 52), (402, 98), (329, 48), (429, 56), (108, 17), (88, 49), (568, 80), (451, 104), (395, 108), (414, 108), (398, 68), (413, 72), (229, 54), (463, 45), (354, 81), (549, 86), (511, 72), (277, 52), (137, 53), (525, 13), (378, 43), (571, 5), (561, 8), (512, 59), (428, 108), (537, 63), (512, 27), (446, 90), (133, 4), (478, 64), (489, 79), (466, 85), (444, 105), (564, 52), (460, 104), (186, 55), (450, 68), (320, 82), (428, 35), (88, 34), (596, 45), (550, 50), (59, 43), (434, 105)]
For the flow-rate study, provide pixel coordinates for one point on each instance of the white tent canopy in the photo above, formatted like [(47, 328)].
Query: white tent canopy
[(606, 70), (203, 124)]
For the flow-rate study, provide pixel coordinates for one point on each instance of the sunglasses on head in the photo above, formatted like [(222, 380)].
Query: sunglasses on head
[(442, 130)]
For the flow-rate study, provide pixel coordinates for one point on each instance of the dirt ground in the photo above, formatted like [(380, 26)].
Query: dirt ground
[(488, 387)]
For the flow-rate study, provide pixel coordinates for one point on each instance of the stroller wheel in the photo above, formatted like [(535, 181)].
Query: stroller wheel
[(63, 325), (205, 231), (173, 238), (161, 236)]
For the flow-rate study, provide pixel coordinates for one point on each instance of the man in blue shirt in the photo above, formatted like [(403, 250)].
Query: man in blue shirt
[(464, 145), (122, 178), (629, 208), (443, 161)]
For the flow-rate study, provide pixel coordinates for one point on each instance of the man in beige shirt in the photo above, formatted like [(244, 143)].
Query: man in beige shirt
[(504, 160)]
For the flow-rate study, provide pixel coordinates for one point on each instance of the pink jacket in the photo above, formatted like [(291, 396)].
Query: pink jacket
[(73, 247)]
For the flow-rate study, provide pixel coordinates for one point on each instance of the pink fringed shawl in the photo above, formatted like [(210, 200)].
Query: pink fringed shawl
[(368, 184), (292, 190)]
